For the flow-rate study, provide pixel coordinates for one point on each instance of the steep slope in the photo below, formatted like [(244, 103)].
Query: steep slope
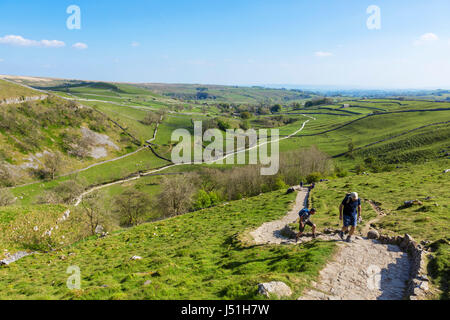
[(36, 127)]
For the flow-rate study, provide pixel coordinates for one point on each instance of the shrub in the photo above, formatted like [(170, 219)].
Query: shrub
[(340, 172), (205, 199), (313, 177), (6, 198), (7, 179), (246, 115)]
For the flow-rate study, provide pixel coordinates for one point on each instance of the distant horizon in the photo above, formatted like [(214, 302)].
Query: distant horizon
[(287, 86)]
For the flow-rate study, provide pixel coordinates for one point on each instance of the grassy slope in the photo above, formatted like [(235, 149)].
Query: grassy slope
[(9, 214), (10, 90), (195, 256), (371, 130)]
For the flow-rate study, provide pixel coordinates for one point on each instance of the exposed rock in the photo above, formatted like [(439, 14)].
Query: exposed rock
[(406, 240), (410, 203), (99, 229), (412, 247), (22, 100), (14, 257), (136, 258), (373, 234), (277, 288)]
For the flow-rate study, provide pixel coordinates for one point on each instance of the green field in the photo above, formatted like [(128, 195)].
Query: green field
[(196, 256)]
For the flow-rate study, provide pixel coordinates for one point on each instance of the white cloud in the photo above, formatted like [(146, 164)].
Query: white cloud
[(426, 38), (323, 54), (135, 44), (1, 60), (80, 46), (20, 41)]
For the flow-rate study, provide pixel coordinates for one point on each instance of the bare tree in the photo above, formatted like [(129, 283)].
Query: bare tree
[(95, 213), (176, 196), (132, 205), (151, 118), (6, 177), (6, 198), (53, 163)]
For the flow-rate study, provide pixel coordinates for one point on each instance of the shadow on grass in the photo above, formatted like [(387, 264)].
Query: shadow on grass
[(439, 266)]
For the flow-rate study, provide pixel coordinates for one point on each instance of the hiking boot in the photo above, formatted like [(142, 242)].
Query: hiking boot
[(314, 236), (341, 235), (349, 239)]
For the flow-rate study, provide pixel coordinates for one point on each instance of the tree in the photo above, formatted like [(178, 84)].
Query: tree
[(7, 179), (150, 118), (95, 214), (351, 146), (132, 206), (52, 164), (176, 196), (275, 108), (296, 106), (6, 198), (246, 115)]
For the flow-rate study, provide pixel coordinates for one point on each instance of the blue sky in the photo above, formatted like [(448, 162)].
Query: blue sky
[(238, 42)]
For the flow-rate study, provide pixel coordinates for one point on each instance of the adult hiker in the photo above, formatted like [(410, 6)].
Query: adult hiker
[(301, 184), (350, 213), (305, 216)]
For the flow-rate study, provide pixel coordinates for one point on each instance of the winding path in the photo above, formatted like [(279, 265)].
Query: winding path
[(79, 199), (361, 270)]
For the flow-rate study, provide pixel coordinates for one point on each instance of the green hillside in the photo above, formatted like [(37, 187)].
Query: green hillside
[(195, 256), (10, 90)]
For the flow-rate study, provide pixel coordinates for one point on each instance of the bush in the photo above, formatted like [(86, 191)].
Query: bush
[(340, 172), (223, 125), (6, 198), (360, 168), (7, 179), (205, 199), (313, 177), (246, 115)]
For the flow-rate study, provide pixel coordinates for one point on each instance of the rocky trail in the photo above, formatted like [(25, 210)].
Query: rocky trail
[(362, 270)]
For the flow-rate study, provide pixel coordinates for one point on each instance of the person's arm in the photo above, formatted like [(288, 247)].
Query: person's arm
[(341, 208), (359, 211), (301, 222)]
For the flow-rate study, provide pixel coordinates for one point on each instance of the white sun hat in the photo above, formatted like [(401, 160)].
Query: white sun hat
[(354, 195)]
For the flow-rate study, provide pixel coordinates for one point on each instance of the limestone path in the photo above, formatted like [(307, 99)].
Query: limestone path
[(270, 232), (361, 270)]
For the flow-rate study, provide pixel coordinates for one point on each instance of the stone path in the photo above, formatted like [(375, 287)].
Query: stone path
[(270, 232), (362, 270)]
